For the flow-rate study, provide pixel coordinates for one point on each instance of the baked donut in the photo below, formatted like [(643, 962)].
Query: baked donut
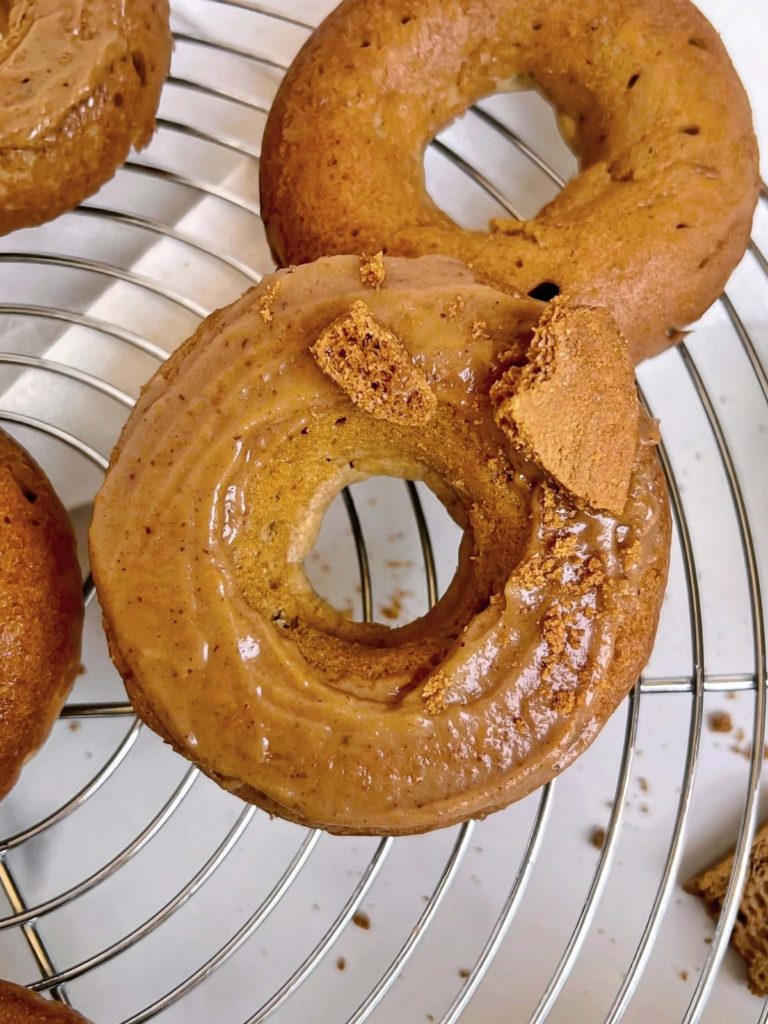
[(20, 1006), (652, 225), (324, 375), (80, 84), (41, 609)]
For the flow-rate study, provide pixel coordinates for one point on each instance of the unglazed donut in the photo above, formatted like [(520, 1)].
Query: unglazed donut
[(326, 374), (652, 225), (41, 609), (20, 1006), (80, 82)]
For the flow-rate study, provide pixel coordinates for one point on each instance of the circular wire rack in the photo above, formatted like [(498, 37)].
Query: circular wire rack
[(133, 887)]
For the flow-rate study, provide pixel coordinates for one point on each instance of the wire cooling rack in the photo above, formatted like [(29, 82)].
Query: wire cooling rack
[(133, 887)]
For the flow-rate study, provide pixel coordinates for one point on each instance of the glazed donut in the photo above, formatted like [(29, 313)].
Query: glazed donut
[(652, 225), (324, 375), (20, 1006), (80, 84), (41, 609)]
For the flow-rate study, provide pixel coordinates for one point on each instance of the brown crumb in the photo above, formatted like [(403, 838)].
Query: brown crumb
[(562, 701), (74, 725), (374, 369), (597, 838), (464, 972), (265, 302), (643, 784), (480, 331), (361, 920), (433, 692), (720, 721), (394, 605), (683, 975), (644, 809), (372, 270), (81, 669), (341, 963), (456, 307)]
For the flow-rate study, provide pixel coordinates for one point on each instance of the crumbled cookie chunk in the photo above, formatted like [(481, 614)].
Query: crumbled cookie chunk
[(373, 367), (372, 270), (748, 937), (266, 301), (572, 408)]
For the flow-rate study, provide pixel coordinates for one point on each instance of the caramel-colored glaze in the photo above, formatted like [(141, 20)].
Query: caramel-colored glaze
[(213, 500), (20, 1006), (80, 82), (41, 609), (651, 227)]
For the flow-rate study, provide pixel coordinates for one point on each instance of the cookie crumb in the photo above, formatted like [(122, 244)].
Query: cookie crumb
[(720, 721), (361, 920), (683, 975), (464, 972), (372, 270), (341, 963), (480, 331), (266, 301), (433, 692), (597, 838), (456, 307), (643, 784)]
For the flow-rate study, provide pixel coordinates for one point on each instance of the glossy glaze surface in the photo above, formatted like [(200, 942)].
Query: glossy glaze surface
[(213, 500)]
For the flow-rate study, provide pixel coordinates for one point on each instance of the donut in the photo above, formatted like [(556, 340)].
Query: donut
[(20, 1006), (327, 374), (80, 84), (41, 609), (646, 95)]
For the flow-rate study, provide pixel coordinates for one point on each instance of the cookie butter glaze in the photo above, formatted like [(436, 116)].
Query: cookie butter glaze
[(213, 500), (79, 82)]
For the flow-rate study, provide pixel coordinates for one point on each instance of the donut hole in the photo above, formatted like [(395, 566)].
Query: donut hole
[(390, 531), (475, 160), (280, 522)]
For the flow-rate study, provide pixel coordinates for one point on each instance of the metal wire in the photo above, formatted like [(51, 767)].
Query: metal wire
[(25, 915)]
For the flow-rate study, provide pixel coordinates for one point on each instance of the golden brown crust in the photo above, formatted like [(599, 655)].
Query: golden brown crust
[(572, 408), (232, 658), (75, 134), (20, 1006), (749, 937), (41, 609), (650, 228)]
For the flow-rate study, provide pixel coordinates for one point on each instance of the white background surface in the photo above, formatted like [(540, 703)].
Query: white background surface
[(64, 855)]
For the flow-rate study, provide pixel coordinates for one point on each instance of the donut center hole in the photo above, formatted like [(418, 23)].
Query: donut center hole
[(476, 169), (385, 515)]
